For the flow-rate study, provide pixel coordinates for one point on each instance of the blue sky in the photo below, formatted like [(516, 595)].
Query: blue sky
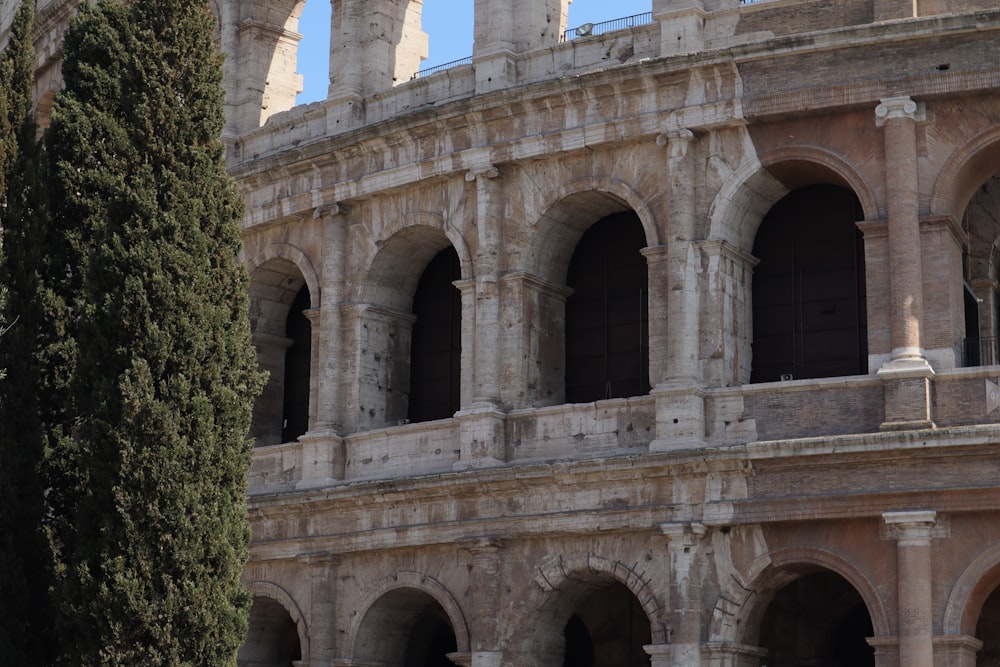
[(448, 23)]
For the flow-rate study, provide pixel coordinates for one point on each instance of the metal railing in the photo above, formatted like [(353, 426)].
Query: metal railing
[(980, 351), (588, 29), (440, 68)]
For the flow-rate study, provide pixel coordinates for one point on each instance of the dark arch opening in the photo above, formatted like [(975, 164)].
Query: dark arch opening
[(272, 639), (406, 628), (608, 629), (607, 333), (436, 342), (818, 619), (809, 307), (298, 359), (988, 631)]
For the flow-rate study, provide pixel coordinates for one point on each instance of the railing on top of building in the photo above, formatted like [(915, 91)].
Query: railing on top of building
[(588, 29), (983, 351), (440, 68)]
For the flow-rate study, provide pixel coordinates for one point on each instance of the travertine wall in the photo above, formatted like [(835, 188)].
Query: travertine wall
[(703, 499)]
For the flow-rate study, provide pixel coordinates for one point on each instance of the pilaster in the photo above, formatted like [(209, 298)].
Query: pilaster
[(322, 577), (913, 534), (484, 554), (907, 374), (684, 546)]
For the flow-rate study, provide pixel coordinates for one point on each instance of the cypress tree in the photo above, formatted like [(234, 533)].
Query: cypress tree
[(25, 623), (148, 470)]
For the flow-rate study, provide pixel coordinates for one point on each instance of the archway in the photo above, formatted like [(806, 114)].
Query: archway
[(607, 331), (608, 628), (981, 223), (436, 342), (272, 638), (279, 297), (817, 619), (988, 631), (406, 627), (809, 306)]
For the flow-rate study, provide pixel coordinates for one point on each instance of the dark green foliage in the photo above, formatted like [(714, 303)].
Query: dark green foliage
[(25, 632), (148, 472)]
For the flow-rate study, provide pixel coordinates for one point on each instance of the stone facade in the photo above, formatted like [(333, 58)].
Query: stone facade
[(716, 517)]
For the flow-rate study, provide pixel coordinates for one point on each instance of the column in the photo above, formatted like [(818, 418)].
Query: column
[(323, 454), (347, 88), (907, 373), (485, 579), (482, 421), (912, 531), (674, 339), (684, 541), (322, 569)]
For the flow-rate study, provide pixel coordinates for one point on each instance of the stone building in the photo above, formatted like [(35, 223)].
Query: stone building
[(666, 341)]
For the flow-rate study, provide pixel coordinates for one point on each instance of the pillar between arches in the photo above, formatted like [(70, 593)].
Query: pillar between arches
[(683, 633), (907, 374), (913, 534)]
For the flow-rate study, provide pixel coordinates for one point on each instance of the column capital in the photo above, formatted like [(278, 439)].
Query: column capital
[(914, 527), (331, 210), (892, 108), (683, 533), (676, 141), (488, 172)]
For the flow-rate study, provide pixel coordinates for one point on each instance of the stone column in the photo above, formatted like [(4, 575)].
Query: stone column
[(674, 369), (322, 570), (912, 531), (684, 551), (907, 373), (485, 354), (347, 89), (482, 420), (485, 604), (323, 452)]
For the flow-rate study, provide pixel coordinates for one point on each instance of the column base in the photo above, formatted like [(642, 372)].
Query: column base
[(483, 437), (323, 459), (907, 386), (680, 416)]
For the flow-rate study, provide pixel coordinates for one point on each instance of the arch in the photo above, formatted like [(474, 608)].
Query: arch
[(744, 600), (288, 253), (572, 209), (418, 582), (970, 591), (821, 166), (967, 168), (272, 591), (557, 572), (759, 183), (391, 272)]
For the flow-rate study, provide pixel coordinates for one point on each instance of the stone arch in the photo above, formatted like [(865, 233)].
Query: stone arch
[(416, 582), (557, 571), (965, 170), (272, 591), (572, 209), (392, 270), (758, 184), (290, 254), (745, 598), (279, 276), (565, 586), (970, 592), (798, 166)]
